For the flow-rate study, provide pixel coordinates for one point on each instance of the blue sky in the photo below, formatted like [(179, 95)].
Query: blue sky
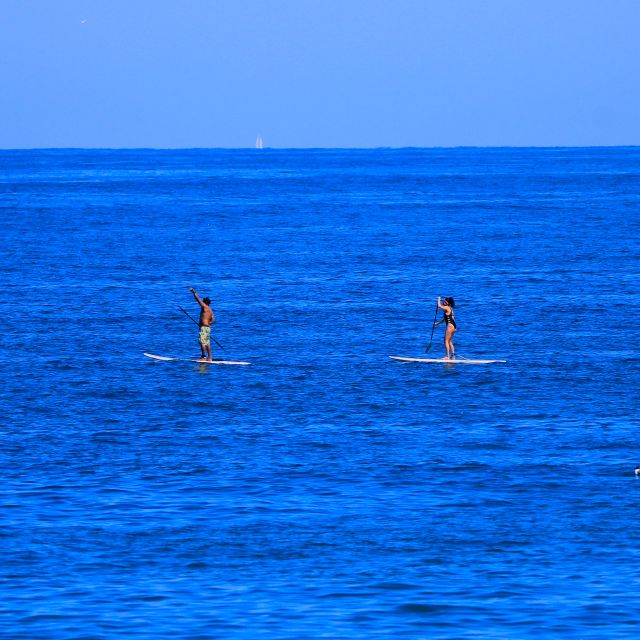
[(319, 73)]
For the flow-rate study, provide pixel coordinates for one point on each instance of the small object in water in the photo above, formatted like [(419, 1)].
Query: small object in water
[(637, 472)]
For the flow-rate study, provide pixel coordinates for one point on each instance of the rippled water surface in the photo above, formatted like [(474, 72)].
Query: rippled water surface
[(325, 490)]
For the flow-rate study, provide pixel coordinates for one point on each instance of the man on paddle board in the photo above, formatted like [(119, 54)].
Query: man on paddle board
[(206, 321)]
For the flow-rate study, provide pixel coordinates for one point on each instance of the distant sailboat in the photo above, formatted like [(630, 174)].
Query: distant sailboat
[(259, 143)]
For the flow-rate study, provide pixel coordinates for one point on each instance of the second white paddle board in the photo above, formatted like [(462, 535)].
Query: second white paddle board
[(444, 361)]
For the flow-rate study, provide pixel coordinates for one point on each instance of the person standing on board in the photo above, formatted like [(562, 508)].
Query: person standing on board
[(447, 306), (206, 321)]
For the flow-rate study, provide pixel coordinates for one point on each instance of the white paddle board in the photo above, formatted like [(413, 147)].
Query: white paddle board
[(165, 359), (443, 361)]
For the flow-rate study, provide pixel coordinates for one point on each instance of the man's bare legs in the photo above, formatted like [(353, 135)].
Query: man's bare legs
[(206, 353)]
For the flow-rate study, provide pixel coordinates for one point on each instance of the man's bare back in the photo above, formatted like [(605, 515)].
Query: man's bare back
[(206, 316)]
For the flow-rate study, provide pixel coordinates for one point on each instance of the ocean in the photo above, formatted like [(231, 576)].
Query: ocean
[(325, 491)]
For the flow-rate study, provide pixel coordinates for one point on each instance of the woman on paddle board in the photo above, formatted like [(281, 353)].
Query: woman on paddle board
[(447, 305)]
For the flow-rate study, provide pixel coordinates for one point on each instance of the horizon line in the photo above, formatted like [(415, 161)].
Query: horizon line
[(375, 148)]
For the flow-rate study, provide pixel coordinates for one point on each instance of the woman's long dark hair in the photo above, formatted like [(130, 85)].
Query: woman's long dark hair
[(450, 301)]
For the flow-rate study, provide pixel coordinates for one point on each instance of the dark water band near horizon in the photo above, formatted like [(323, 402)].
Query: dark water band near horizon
[(325, 490)]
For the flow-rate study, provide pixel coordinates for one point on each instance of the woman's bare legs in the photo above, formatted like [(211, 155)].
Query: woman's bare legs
[(448, 342)]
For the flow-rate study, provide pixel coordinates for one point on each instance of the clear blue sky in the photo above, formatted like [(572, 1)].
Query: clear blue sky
[(319, 73)]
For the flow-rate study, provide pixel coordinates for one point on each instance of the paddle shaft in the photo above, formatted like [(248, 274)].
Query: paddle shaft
[(433, 328), (196, 322)]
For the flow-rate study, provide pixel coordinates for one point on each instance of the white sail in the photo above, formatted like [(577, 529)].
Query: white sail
[(259, 143)]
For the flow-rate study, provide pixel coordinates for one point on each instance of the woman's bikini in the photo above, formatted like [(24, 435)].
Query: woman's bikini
[(449, 319)]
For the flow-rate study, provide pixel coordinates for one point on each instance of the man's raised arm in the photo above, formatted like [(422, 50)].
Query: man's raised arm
[(197, 297)]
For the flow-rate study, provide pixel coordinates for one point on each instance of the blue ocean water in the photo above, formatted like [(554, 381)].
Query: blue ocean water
[(325, 491)]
